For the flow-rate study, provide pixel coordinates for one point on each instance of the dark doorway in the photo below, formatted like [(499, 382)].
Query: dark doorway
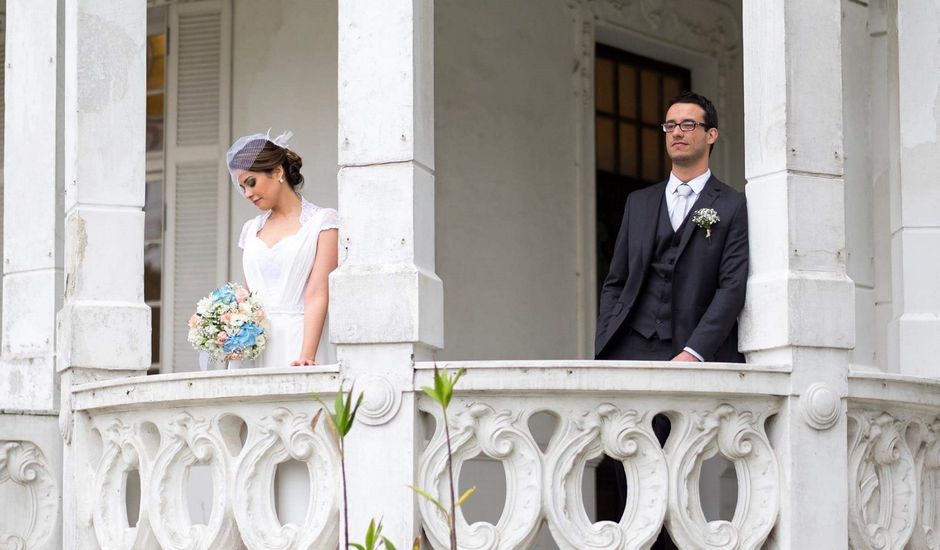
[(630, 95)]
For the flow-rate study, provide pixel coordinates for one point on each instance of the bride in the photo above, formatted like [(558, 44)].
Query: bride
[(289, 249)]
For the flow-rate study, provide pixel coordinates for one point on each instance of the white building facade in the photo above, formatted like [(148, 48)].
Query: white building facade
[(477, 152)]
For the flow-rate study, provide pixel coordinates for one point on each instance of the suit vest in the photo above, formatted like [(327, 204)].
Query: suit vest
[(652, 314)]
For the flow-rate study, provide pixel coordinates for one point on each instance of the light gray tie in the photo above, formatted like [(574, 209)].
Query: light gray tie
[(682, 204)]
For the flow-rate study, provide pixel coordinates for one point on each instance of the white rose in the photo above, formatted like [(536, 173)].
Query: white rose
[(239, 319), (203, 306), (245, 308)]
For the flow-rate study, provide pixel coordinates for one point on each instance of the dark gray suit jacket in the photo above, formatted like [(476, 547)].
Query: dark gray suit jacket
[(710, 276)]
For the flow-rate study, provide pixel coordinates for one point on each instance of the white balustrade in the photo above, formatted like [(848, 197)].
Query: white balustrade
[(894, 462), (607, 408), (239, 426)]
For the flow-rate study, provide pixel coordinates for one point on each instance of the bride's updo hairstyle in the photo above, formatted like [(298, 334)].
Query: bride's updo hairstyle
[(258, 153)]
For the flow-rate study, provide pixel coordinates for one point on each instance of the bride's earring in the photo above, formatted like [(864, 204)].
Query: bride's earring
[(280, 180)]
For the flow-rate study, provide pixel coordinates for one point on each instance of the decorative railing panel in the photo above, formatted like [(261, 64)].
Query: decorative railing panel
[(23, 465), (608, 410), (171, 424), (894, 462)]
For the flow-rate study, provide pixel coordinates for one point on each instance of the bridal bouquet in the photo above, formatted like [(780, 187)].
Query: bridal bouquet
[(229, 324)]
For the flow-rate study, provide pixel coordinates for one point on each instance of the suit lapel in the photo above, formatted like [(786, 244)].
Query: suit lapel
[(651, 208), (706, 200)]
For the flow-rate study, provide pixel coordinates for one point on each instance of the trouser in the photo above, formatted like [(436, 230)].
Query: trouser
[(633, 346)]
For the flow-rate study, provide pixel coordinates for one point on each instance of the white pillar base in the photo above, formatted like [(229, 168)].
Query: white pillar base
[(105, 336)]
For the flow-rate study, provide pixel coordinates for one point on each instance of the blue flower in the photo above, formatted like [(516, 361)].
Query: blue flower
[(223, 294), (251, 331), (245, 338)]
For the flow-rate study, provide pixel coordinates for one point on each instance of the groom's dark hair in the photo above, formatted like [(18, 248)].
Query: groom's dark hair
[(711, 113)]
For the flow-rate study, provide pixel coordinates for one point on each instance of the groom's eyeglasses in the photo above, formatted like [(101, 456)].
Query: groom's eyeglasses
[(685, 126)]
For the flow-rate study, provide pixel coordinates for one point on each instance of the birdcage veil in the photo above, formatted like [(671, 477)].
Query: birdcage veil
[(243, 153)]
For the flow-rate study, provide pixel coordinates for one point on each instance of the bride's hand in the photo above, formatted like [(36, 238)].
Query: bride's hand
[(304, 363)]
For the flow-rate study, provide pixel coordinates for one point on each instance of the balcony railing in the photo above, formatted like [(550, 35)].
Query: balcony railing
[(240, 426)]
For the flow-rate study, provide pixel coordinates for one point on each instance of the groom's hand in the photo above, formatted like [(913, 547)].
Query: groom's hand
[(686, 356)]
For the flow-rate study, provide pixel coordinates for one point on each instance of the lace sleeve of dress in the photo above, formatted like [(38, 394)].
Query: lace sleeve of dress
[(330, 219), (246, 231)]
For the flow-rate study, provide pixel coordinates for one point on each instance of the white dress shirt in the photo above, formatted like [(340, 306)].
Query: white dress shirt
[(672, 198), (697, 184)]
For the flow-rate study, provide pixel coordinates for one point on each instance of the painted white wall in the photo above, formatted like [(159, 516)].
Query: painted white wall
[(505, 137), (284, 77)]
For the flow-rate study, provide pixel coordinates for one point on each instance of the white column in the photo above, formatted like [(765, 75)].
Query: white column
[(104, 325), (32, 210), (385, 299), (32, 274), (914, 88), (800, 303)]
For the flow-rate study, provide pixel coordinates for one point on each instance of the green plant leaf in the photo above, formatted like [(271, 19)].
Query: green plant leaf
[(357, 546), (460, 372), (370, 534), (339, 413), (443, 389), (466, 495), (440, 381), (433, 500), (430, 392), (352, 416), (388, 544)]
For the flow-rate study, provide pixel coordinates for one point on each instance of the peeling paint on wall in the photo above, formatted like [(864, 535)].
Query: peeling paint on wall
[(76, 253), (99, 84)]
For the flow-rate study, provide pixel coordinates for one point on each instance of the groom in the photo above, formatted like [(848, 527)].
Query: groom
[(678, 274), (676, 283)]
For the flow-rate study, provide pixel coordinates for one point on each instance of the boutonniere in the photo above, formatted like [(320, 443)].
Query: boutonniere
[(705, 218)]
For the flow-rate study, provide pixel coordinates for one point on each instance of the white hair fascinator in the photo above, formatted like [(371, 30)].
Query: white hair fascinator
[(243, 153)]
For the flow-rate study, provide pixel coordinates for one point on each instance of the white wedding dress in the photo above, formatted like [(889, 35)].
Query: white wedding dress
[(278, 274)]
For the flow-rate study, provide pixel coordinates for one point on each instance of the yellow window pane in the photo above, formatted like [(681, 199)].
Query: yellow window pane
[(156, 61), (604, 85), (652, 164), (671, 87), (649, 96), (155, 106), (627, 88), (628, 154), (604, 143)]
